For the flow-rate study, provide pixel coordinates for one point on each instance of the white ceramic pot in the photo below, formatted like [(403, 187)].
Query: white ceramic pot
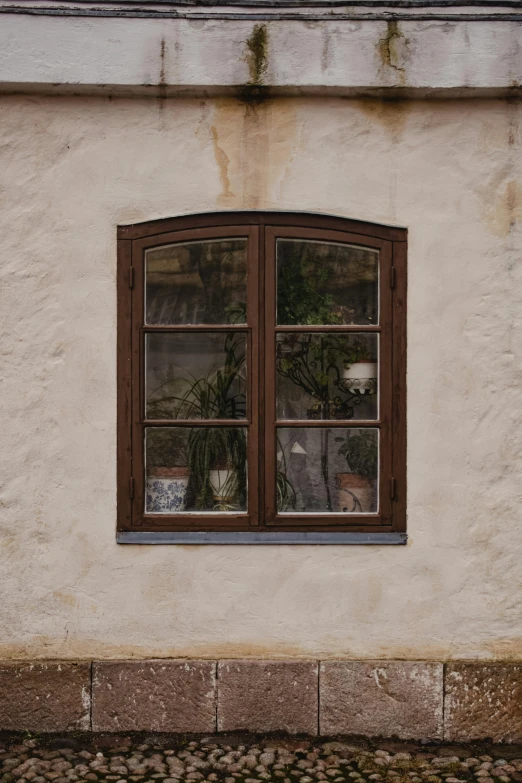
[(362, 370), (223, 484), (361, 377), (166, 491)]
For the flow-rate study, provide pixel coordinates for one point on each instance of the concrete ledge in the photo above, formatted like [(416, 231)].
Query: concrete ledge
[(45, 696), (263, 539), (337, 56), (403, 699)]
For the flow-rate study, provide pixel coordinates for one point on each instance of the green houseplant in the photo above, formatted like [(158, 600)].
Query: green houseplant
[(215, 456)]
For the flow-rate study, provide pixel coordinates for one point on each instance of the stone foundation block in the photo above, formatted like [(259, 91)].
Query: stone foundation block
[(44, 696), (381, 698), (266, 696), (483, 701), (176, 696)]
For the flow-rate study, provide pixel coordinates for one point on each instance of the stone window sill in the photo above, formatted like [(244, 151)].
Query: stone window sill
[(241, 537)]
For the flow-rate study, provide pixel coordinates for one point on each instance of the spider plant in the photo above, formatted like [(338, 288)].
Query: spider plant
[(217, 395), (217, 448), (286, 494)]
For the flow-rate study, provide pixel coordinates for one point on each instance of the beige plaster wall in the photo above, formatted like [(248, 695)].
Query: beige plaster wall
[(71, 170)]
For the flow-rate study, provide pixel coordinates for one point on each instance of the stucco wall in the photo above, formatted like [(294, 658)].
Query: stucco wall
[(71, 170)]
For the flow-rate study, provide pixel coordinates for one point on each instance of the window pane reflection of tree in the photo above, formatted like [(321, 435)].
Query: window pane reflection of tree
[(197, 283), (326, 283)]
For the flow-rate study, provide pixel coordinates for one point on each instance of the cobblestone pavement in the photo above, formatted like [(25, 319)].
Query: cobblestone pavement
[(252, 760)]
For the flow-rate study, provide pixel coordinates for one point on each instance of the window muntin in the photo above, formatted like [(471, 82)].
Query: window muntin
[(349, 416)]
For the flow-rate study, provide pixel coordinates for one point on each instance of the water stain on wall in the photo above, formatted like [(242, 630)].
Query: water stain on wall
[(254, 146), (390, 114), (501, 196), (223, 162), (501, 202)]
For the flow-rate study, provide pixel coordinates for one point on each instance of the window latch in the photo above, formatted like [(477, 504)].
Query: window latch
[(392, 277), (131, 488), (393, 489), (131, 277)]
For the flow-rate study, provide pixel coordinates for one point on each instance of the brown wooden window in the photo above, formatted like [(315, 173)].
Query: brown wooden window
[(261, 379)]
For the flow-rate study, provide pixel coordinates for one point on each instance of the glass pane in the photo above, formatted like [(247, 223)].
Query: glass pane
[(322, 470), (327, 376), (195, 375), (197, 283), (195, 469), (326, 283)]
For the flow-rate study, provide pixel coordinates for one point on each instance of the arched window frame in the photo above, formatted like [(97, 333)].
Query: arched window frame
[(261, 523)]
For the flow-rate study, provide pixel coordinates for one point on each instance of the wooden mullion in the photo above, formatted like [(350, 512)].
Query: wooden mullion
[(198, 520), (385, 383), (348, 328), (124, 386), (167, 328), (253, 375), (196, 422), (261, 386), (270, 377), (241, 524), (327, 423), (138, 387), (333, 520), (399, 425)]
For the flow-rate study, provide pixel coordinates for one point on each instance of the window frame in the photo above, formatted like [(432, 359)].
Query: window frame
[(262, 230)]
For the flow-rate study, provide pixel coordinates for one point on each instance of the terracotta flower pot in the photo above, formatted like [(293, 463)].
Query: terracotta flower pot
[(356, 494), (166, 490)]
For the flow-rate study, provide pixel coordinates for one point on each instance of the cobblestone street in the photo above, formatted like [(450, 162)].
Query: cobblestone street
[(250, 760)]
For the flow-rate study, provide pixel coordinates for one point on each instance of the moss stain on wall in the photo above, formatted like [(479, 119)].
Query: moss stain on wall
[(256, 56), (393, 51)]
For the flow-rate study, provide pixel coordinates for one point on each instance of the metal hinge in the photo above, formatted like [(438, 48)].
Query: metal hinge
[(392, 277), (131, 488), (131, 277), (393, 489)]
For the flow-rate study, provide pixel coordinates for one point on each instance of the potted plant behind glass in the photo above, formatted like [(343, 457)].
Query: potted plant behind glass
[(167, 472), (359, 370), (217, 461), (357, 489), (216, 456)]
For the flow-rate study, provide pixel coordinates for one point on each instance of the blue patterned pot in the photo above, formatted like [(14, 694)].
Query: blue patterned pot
[(166, 491)]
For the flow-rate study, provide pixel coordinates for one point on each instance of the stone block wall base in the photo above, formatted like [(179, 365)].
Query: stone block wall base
[(457, 702), (45, 696)]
